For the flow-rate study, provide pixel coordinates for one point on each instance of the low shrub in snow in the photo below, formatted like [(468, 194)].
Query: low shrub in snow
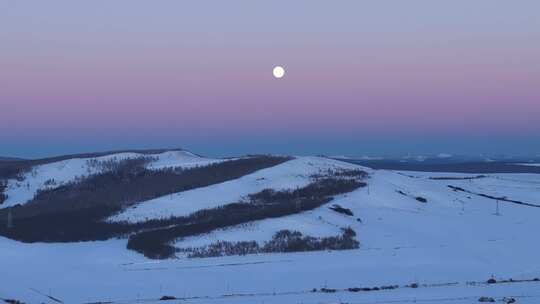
[(421, 199), (339, 209), (12, 301), (328, 290)]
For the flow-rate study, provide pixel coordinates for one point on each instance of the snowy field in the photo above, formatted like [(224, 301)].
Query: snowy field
[(450, 246), (105, 271)]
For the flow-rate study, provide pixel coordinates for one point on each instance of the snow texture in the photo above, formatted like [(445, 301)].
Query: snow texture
[(449, 242)]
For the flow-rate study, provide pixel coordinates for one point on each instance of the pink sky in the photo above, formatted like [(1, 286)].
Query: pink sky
[(179, 71)]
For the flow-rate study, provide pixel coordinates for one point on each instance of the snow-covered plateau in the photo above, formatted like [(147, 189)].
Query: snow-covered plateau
[(424, 238)]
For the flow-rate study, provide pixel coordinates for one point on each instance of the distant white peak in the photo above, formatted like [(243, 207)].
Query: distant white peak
[(444, 155), (528, 164), (420, 158), (366, 157), (415, 157), (340, 156)]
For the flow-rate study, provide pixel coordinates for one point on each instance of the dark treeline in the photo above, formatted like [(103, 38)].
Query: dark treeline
[(321, 188), (75, 211), (66, 226), (265, 204), (282, 241), (458, 178), (348, 173), (3, 196)]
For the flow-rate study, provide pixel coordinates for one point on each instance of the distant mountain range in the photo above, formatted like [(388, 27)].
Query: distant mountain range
[(450, 163), (3, 158)]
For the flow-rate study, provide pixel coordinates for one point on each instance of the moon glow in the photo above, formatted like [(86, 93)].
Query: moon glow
[(278, 72)]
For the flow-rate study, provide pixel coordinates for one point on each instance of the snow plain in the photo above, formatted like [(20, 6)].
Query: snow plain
[(450, 246)]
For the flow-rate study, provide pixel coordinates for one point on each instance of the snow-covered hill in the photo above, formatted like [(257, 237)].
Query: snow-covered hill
[(51, 175), (438, 237), (388, 215), (293, 174)]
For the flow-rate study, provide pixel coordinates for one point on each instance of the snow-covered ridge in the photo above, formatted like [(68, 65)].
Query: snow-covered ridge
[(55, 174), (292, 174)]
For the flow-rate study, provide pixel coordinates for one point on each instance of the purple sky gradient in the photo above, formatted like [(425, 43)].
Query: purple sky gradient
[(361, 76)]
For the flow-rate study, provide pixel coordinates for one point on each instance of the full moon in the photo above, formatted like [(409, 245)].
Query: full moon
[(278, 71)]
